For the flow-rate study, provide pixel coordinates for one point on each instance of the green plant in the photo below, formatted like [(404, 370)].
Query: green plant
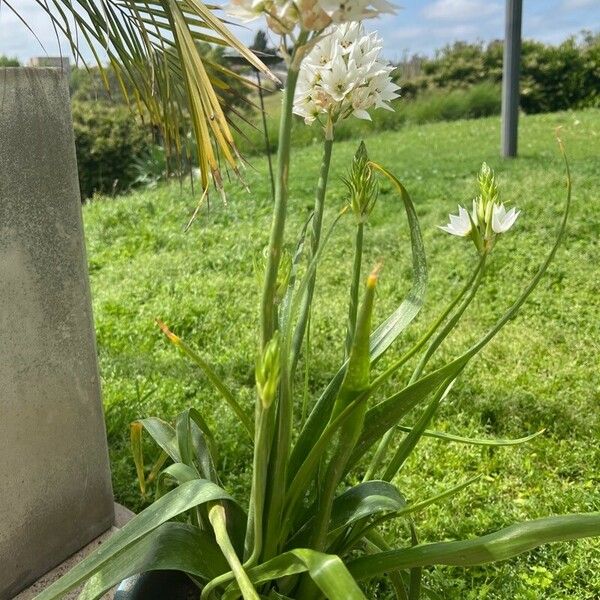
[(553, 77), (109, 142), (319, 496), (7, 61)]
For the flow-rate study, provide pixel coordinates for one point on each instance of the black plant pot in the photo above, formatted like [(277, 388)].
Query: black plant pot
[(158, 585)]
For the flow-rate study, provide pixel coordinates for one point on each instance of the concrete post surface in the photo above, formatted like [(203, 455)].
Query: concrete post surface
[(55, 490)]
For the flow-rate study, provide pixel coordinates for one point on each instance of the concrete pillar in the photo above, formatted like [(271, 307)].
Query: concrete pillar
[(55, 489)]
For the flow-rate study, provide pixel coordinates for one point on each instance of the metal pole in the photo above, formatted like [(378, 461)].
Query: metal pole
[(510, 77)]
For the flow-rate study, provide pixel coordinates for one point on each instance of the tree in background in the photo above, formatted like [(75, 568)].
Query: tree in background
[(7, 61)]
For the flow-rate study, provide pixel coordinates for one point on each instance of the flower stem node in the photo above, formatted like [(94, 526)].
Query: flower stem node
[(488, 218), (268, 370)]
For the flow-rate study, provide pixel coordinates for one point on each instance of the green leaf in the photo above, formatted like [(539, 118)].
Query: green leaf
[(164, 435), (212, 376), (401, 318), (409, 443), (364, 500), (494, 547), (449, 437), (359, 502), (179, 472), (172, 546), (197, 444), (179, 500), (382, 416), (406, 510), (326, 570)]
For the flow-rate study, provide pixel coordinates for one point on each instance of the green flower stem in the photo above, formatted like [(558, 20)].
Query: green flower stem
[(276, 475), (317, 225), (280, 208), (386, 440), (254, 532), (354, 287)]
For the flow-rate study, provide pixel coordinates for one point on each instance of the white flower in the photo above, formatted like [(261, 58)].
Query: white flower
[(343, 75), (343, 11), (502, 220), (245, 10), (312, 15), (459, 224), (339, 79)]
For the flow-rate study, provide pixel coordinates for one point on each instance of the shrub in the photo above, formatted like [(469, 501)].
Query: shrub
[(7, 61), (552, 77), (108, 141)]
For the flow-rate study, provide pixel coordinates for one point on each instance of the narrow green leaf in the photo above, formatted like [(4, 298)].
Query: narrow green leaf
[(443, 435), (359, 502), (164, 435), (500, 545), (212, 376), (409, 443)]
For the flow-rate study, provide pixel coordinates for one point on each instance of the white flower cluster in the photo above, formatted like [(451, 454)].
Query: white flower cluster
[(312, 15), (489, 216), (344, 74), (464, 223)]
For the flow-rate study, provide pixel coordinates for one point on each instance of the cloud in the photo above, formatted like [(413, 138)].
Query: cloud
[(461, 10)]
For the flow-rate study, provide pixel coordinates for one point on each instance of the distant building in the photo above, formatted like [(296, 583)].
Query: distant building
[(54, 62)]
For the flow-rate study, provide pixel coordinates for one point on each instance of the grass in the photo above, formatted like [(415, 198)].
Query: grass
[(541, 371)]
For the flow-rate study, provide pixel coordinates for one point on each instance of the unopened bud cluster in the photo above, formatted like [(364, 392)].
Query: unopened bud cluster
[(362, 185), (488, 217), (268, 370)]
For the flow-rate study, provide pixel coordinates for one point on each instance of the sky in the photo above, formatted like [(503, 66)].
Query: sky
[(419, 27)]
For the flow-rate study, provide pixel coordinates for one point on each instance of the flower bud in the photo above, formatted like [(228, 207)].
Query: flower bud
[(268, 369), (362, 185)]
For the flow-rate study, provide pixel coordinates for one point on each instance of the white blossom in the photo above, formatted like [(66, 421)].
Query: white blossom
[(344, 75), (312, 15), (343, 11), (488, 218), (502, 220), (459, 224)]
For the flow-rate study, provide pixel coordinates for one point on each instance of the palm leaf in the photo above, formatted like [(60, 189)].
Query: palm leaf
[(153, 47)]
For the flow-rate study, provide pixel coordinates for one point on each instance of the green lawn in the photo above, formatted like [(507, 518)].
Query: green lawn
[(540, 372)]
